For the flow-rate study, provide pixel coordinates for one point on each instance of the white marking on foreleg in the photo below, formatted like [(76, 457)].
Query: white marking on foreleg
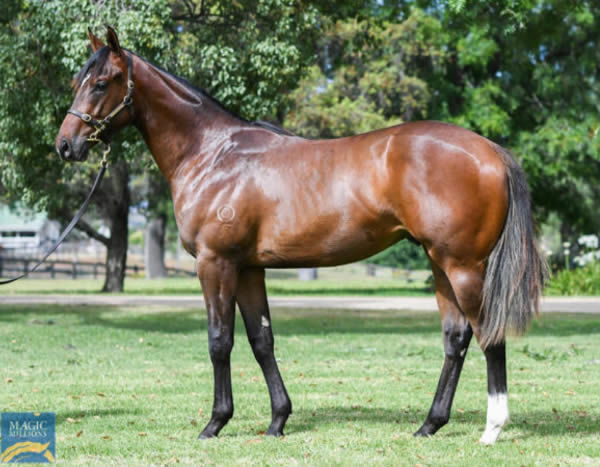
[(497, 417)]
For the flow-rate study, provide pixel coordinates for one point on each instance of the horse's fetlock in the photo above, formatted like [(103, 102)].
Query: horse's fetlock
[(283, 410), (439, 420), (222, 414)]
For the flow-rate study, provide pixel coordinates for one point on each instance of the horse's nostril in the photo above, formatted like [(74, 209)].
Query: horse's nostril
[(65, 148)]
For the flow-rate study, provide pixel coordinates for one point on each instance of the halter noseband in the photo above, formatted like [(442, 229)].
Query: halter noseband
[(102, 125)]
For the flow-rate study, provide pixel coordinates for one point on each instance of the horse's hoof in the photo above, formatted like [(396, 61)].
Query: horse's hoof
[(205, 435), (276, 433), (423, 432)]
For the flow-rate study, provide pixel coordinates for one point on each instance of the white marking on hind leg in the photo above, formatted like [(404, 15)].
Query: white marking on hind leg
[(265, 322), (497, 417)]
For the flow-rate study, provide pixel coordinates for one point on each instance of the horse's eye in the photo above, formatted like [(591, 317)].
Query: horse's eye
[(100, 85)]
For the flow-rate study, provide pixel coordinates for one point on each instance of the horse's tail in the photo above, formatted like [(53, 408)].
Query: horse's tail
[(516, 271)]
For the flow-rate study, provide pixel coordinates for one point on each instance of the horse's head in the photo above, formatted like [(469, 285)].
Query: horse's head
[(103, 88)]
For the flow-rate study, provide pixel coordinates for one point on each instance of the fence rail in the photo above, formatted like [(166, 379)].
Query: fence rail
[(11, 266)]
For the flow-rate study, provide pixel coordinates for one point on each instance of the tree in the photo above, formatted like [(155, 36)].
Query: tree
[(155, 202), (371, 75)]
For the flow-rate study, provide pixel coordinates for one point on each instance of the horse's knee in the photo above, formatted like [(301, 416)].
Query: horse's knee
[(262, 344), (283, 408), (263, 349), (219, 346), (438, 417)]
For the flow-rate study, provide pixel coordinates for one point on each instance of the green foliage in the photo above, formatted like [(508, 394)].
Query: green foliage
[(136, 238), (562, 159), (579, 281), (372, 75), (403, 254), (248, 54)]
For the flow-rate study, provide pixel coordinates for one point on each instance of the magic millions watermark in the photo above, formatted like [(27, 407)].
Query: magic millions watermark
[(28, 437)]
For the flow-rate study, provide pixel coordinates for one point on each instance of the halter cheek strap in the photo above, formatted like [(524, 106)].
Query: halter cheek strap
[(102, 125)]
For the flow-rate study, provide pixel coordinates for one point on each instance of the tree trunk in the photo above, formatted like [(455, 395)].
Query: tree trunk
[(154, 247), (117, 211)]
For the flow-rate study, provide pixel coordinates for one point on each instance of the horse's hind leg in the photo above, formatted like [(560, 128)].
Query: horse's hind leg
[(457, 335), (252, 300), (497, 414), (467, 283)]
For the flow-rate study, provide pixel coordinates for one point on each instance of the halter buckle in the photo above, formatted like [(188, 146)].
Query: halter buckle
[(86, 118)]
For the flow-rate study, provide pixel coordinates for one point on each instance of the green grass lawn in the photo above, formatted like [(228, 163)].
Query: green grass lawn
[(168, 286), (134, 386)]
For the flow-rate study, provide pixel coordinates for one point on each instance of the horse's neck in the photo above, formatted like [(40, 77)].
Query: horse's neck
[(174, 120)]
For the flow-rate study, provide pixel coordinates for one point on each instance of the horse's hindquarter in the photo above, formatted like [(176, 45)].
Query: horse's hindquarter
[(453, 195)]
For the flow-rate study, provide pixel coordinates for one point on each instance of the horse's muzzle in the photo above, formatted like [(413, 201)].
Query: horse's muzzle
[(75, 150)]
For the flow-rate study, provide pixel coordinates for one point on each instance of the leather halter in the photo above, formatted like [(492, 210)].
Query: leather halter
[(102, 125)]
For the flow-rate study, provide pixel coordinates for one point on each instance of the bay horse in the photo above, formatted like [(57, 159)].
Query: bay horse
[(249, 196)]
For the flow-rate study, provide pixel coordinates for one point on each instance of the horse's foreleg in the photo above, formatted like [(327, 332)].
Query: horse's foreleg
[(457, 335), (219, 280), (252, 300), (497, 414)]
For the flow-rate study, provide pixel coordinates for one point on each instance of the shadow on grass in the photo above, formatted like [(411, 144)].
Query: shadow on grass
[(62, 416), (532, 424), (351, 291), (163, 322), (286, 322), (565, 324), (303, 420), (150, 321), (550, 424)]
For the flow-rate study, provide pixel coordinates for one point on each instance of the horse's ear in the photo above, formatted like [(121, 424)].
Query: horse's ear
[(94, 41), (112, 40)]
